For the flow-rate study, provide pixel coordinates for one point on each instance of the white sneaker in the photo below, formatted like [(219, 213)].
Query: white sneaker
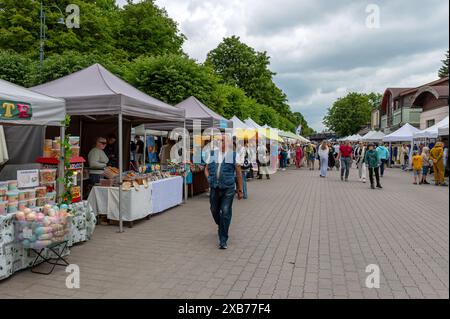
[(364, 180)]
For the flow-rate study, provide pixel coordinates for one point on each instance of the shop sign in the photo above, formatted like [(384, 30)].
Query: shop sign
[(13, 110)]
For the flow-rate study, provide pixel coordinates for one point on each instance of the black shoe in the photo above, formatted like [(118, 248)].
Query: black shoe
[(372, 186), (379, 186), (342, 178), (223, 247)]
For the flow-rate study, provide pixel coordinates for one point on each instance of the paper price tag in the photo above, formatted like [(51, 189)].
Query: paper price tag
[(27, 233)]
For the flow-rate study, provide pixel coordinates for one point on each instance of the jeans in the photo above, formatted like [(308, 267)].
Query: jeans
[(221, 201), (323, 166), (244, 183), (283, 160), (95, 178), (373, 170), (345, 166), (383, 163)]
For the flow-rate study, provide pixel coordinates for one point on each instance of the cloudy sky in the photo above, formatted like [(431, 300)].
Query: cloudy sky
[(323, 49)]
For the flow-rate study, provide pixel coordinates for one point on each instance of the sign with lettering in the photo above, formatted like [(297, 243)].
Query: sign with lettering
[(13, 110), (28, 178)]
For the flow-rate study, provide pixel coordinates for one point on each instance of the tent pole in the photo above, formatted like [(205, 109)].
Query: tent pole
[(390, 154), (120, 171), (145, 146), (62, 133), (185, 162)]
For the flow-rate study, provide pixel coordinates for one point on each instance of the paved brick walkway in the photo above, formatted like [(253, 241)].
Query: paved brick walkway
[(298, 236)]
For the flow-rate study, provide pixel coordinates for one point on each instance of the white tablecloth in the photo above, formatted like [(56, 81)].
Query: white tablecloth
[(159, 196), (167, 193)]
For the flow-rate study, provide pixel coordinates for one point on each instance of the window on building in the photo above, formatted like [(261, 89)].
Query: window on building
[(430, 123)]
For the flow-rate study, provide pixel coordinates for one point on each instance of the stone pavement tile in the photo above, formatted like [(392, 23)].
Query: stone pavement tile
[(295, 292), (234, 295), (443, 294), (400, 294), (325, 294), (240, 285), (250, 293), (223, 290)]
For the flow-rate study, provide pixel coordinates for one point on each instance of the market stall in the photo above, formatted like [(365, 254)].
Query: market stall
[(97, 99), (405, 134), (199, 118), (31, 223), (432, 132), (373, 136)]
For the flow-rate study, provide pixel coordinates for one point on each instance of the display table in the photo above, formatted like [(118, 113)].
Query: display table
[(166, 193), (13, 257), (157, 197)]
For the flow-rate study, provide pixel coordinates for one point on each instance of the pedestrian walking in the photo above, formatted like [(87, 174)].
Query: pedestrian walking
[(331, 157), (425, 165), (345, 156), (383, 152), (404, 157), (360, 152), (373, 163), (246, 166), (323, 155), (311, 157), (298, 156), (224, 176), (283, 156), (437, 156)]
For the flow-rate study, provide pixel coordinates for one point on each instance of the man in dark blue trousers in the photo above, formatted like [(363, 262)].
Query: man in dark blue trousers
[(224, 177)]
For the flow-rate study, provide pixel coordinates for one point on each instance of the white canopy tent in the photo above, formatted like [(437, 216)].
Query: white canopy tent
[(403, 134), (354, 138), (45, 110), (252, 124), (443, 131), (238, 124), (20, 106), (373, 136), (3, 149), (432, 131)]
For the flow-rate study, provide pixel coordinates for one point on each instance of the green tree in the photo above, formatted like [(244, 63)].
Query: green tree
[(19, 25), (349, 113), (173, 78), (240, 65), (15, 68), (443, 71), (59, 65), (145, 29)]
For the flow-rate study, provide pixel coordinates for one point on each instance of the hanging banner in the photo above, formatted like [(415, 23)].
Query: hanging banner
[(152, 149), (13, 110)]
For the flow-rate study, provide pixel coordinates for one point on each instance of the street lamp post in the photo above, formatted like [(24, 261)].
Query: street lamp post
[(42, 30)]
